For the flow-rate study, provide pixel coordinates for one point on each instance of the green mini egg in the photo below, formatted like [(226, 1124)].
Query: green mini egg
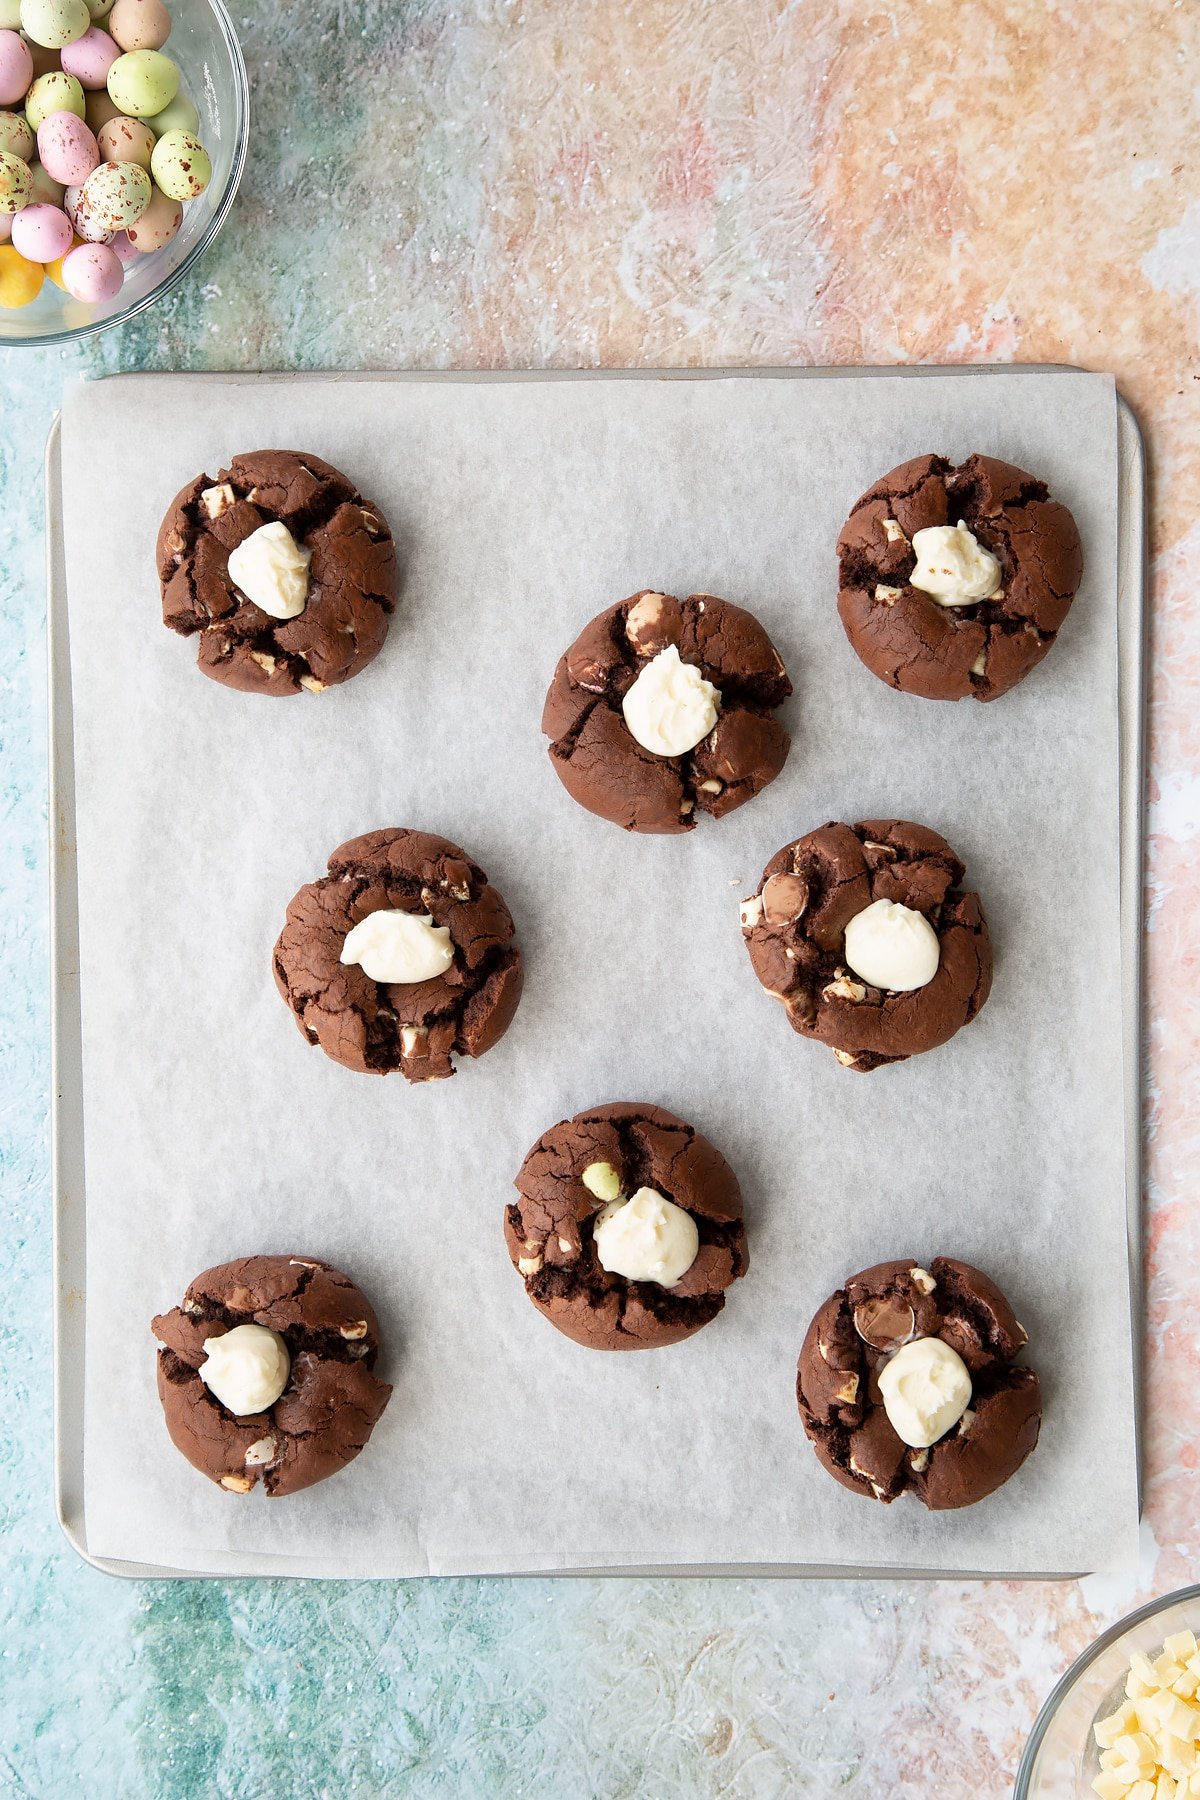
[(16, 183), (99, 9), (16, 139), (46, 191), (10, 15), (180, 165), (181, 115), (54, 23), (51, 94), (142, 82)]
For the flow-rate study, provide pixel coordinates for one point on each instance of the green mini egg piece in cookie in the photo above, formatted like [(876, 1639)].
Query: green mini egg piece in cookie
[(180, 165), (51, 94), (54, 23), (142, 82), (181, 115), (16, 139), (113, 197), (16, 183)]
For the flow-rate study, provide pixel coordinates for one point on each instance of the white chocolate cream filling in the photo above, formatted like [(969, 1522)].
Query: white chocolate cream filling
[(271, 569), (952, 566), (670, 706), (646, 1238), (926, 1388), (399, 947), (892, 946), (246, 1369)]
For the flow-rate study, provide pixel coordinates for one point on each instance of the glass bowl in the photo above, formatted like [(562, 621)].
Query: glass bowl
[(213, 76), (1061, 1757)]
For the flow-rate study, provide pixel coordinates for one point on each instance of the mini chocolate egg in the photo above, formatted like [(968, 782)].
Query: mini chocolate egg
[(46, 191), (87, 231), (142, 82), (67, 149), (6, 220), (16, 68), (41, 233), (10, 15), (92, 272), (122, 248), (20, 279), (180, 165), (16, 139), (16, 183), (53, 93), (126, 140), (99, 107), (54, 23), (157, 225), (90, 58), (113, 197), (99, 9), (181, 115), (54, 269), (140, 24)]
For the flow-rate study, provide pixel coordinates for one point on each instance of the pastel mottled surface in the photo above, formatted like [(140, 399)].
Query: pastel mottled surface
[(749, 181)]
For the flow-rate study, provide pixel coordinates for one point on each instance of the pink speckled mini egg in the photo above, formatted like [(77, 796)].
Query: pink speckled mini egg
[(67, 149), (92, 272), (41, 233), (16, 68), (123, 249), (90, 58)]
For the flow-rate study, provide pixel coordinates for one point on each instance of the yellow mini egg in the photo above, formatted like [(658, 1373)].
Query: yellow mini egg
[(20, 280)]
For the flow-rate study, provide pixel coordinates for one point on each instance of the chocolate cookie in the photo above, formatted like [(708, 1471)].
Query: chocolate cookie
[(434, 974), (966, 610), (303, 1372), (323, 575), (832, 935), (903, 1353), (628, 1228), (662, 709)]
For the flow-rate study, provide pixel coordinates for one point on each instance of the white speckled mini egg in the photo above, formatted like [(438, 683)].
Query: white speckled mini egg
[(113, 197)]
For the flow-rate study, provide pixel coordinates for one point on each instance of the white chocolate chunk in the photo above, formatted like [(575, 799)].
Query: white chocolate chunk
[(952, 566), (889, 595), (892, 946), (646, 1238), (217, 500), (271, 569), (399, 947), (246, 1369), (670, 706), (1150, 1747), (601, 1179), (893, 531), (926, 1389)]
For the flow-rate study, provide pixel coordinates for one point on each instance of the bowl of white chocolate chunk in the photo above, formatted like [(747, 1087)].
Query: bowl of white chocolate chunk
[(1124, 1721)]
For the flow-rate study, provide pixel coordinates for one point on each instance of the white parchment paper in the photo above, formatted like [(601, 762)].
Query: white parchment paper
[(212, 1131)]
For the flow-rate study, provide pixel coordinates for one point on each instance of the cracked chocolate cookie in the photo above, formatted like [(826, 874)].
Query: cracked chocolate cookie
[(283, 570), (907, 1382), (865, 936), (628, 1229), (662, 709), (265, 1373), (955, 581), (400, 958)]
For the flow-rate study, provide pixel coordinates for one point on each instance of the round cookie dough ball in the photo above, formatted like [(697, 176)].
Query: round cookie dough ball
[(884, 895), (628, 1228), (236, 588), (955, 581), (402, 957), (663, 709), (303, 1361), (908, 1381)]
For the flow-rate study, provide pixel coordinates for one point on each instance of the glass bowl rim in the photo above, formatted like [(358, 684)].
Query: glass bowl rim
[(241, 86), (1050, 1706)]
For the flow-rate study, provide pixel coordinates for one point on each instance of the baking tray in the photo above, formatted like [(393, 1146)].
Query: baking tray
[(67, 1110)]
